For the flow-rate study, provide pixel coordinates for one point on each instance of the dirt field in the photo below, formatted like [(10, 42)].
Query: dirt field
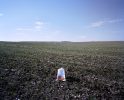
[(94, 70)]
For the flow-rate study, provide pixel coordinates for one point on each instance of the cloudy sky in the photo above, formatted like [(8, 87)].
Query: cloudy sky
[(61, 20)]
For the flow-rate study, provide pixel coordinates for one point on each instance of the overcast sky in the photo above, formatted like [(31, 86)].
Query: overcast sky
[(61, 20)]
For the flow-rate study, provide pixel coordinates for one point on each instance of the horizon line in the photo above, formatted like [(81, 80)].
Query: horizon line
[(64, 41)]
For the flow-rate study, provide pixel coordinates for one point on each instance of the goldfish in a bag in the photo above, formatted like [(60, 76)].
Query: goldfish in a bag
[(61, 74)]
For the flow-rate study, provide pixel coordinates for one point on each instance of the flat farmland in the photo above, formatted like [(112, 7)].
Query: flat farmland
[(94, 70)]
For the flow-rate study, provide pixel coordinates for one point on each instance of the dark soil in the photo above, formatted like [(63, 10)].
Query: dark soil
[(28, 71)]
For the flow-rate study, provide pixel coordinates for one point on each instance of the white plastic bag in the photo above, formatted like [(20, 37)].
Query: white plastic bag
[(61, 74)]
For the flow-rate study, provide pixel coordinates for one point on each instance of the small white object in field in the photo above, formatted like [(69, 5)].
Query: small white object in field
[(61, 74), (17, 99)]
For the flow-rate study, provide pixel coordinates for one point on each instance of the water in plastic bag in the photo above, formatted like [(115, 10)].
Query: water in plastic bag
[(61, 74)]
